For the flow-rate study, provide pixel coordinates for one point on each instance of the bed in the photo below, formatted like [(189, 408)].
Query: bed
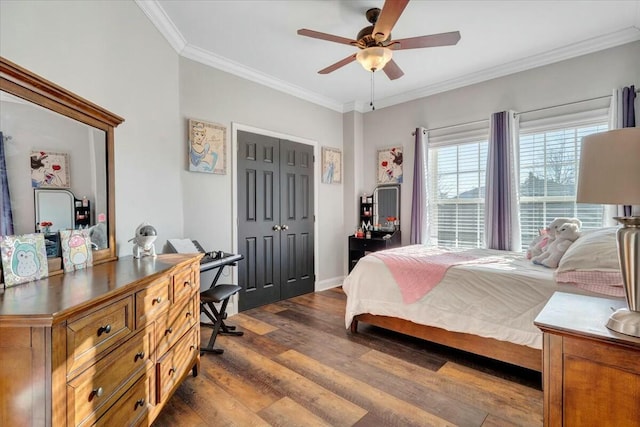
[(485, 305)]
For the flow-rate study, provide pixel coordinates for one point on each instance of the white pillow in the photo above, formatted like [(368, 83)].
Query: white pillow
[(594, 250)]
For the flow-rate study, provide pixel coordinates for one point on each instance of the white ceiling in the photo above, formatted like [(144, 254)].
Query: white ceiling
[(257, 39)]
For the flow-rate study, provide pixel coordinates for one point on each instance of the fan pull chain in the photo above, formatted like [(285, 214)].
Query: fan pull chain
[(373, 107)]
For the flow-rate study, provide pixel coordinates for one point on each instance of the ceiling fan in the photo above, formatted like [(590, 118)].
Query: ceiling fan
[(375, 42)]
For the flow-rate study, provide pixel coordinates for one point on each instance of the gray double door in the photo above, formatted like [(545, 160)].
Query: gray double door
[(275, 219)]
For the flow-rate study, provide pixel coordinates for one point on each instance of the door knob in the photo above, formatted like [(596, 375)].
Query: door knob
[(276, 228), (285, 227)]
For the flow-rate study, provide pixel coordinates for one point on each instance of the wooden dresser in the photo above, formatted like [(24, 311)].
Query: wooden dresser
[(591, 375), (107, 345)]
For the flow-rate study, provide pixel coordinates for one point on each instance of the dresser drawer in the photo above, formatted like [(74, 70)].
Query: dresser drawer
[(153, 301), (96, 332), (132, 408), (94, 390), (170, 328), (370, 245), (185, 284), (174, 363)]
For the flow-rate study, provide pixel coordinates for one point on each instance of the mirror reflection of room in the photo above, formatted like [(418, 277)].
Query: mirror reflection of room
[(56, 171)]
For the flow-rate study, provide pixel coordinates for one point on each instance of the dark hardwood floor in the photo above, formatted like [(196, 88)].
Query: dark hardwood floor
[(297, 365)]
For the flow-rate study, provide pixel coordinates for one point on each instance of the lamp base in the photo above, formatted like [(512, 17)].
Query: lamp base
[(625, 321)]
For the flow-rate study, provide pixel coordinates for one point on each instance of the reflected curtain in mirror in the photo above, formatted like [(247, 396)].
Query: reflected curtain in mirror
[(6, 217)]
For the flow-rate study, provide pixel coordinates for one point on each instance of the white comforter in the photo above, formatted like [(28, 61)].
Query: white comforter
[(497, 300)]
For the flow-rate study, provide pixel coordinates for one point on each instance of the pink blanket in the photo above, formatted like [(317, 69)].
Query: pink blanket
[(418, 269)]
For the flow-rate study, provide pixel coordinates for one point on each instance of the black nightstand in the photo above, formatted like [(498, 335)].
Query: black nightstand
[(358, 247)]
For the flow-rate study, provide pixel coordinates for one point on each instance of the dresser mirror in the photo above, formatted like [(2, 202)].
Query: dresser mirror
[(386, 204), (59, 151)]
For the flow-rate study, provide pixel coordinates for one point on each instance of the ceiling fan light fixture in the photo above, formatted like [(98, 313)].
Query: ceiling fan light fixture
[(374, 58)]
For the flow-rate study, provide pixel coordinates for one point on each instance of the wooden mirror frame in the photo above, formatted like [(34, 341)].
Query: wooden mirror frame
[(33, 88)]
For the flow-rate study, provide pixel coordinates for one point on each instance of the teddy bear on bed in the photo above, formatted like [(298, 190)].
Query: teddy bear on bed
[(565, 236), (541, 243)]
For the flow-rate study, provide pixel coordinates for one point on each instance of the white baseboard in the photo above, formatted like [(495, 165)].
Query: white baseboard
[(333, 282)]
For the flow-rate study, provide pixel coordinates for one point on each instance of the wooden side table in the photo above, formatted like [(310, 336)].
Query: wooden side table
[(591, 375)]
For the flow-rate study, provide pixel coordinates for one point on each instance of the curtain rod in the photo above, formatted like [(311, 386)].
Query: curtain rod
[(452, 126), (522, 112)]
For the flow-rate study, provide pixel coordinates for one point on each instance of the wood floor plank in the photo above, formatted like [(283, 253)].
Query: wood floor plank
[(323, 403), (516, 403), (216, 406), (178, 413), (287, 413), (298, 365), (383, 404), (235, 383), (251, 323)]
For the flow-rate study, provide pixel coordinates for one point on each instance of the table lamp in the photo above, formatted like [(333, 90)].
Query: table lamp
[(610, 174)]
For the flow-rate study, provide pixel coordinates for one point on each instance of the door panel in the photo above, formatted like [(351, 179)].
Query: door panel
[(258, 199), (297, 239), (275, 189)]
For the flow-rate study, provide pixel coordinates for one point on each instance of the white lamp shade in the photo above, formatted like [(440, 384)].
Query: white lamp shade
[(374, 58), (610, 168)]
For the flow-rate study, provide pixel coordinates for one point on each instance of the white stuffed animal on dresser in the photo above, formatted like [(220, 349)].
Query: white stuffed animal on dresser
[(565, 236)]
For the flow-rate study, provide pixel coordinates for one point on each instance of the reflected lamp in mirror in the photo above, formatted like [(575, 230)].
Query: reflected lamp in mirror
[(610, 174)]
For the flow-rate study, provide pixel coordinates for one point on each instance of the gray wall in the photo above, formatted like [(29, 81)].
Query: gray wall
[(216, 96), (109, 53), (576, 79)]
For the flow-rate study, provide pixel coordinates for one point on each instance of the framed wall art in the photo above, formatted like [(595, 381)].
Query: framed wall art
[(207, 147), (331, 165), (389, 166), (49, 170), (24, 258)]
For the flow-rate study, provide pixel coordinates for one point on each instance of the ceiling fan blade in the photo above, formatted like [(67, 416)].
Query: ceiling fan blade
[(325, 36), (392, 70), (389, 15), (338, 64), (433, 40)]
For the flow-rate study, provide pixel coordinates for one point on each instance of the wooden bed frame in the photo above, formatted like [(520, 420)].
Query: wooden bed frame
[(514, 354)]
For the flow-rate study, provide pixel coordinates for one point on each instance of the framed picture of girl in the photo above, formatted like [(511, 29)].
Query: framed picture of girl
[(207, 147), (49, 170)]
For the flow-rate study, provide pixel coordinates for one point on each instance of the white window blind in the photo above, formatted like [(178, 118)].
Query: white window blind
[(549, 161), (456, 194)]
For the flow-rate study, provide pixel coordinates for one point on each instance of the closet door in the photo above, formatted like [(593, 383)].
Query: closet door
[(275, 219), (296, 219)]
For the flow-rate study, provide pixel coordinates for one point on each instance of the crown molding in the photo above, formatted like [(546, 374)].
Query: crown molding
[(159, 18), (237, 69), (595, 44), (161, 21)]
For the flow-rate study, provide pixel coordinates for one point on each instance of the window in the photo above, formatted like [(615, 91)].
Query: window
[(549, 159), (457, 184)]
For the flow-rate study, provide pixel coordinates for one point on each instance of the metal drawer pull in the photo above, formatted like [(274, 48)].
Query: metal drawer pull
[(105, 329), (139, 355), (97, 392), (172, 370), (187, 314), (187, 283), (168, 331), (157, 300), (139, 402)]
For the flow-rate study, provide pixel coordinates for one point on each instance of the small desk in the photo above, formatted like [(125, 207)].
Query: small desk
[(591, 375)]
